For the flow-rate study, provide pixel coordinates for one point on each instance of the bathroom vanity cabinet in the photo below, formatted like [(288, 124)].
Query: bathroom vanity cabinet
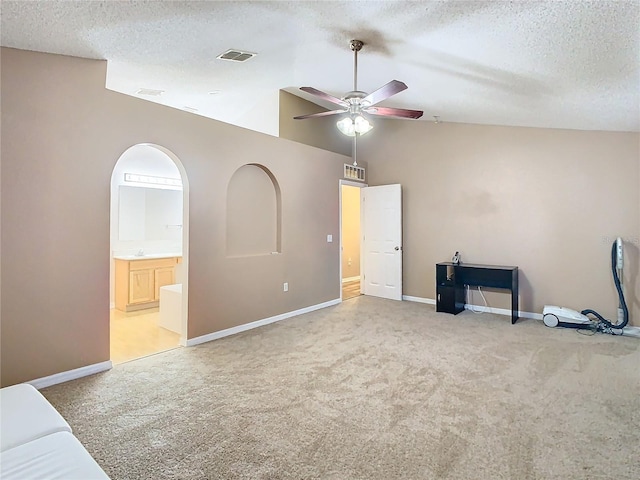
[(138, 280)]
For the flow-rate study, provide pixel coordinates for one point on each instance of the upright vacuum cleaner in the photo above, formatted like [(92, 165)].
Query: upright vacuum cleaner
[(564, 317)]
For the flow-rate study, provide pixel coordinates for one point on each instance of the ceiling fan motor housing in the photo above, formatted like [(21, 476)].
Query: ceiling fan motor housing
[(355, 103), (354, 96)]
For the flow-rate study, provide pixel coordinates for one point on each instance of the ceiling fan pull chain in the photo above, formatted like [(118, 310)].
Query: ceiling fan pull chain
[(354, 152)]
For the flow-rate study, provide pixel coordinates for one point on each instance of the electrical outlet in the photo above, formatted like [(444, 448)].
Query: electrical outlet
[(285, 287)]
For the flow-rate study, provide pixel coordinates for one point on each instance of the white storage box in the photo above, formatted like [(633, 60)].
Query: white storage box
[(171, 308)]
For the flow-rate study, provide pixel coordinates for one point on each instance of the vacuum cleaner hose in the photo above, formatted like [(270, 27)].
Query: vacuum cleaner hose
[(604, 323)]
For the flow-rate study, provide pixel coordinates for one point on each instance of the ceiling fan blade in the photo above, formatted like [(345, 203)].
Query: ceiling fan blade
[(320, 114), (385, 91), (394, 112), (324, 96)]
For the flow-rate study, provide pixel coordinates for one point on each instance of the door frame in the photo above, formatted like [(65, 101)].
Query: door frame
[(349, 183), (185, 232)]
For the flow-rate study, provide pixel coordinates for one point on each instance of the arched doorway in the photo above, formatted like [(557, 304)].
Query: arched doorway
[(149, 253)]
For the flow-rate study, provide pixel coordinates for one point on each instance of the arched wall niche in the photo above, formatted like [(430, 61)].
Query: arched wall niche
[(254, 211)]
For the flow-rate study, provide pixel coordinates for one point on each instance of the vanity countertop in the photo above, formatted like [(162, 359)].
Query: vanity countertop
[(150, 256)]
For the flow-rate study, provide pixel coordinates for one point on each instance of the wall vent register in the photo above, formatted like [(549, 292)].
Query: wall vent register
[(353, 172)]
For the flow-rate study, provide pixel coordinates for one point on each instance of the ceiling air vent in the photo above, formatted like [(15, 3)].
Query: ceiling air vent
[(150, 91), (235, 56), (353, 173)]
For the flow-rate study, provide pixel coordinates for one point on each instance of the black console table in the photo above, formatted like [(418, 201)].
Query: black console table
[(451, 279)]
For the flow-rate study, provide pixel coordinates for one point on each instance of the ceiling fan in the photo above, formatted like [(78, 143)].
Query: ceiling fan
[(356, 103)]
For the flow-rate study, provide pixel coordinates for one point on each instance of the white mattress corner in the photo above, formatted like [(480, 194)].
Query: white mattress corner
[(26, 415), (58, 456)]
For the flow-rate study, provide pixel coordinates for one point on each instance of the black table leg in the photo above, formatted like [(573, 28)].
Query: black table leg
[(514, 298)]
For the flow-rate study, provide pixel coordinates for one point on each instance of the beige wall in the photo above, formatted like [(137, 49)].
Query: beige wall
[(318, 132), (548, 201), (62, 134), (350, 231)]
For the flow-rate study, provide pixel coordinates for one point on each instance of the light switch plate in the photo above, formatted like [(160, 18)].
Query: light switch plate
[(329, 238)]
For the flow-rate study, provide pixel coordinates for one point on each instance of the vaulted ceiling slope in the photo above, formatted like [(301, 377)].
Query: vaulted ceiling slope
[(560, 64)]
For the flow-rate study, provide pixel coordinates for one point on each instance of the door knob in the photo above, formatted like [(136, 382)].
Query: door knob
[(397, 248)]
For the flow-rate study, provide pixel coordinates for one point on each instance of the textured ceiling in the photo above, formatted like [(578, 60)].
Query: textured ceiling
[(560, 64)]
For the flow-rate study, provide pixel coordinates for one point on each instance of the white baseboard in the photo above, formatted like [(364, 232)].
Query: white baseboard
[(71, 374), (350, 279), (409, 298), (258, 323), (502, 311), (478, 308)]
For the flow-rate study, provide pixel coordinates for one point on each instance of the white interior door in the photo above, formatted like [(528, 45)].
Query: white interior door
[(382, 241)]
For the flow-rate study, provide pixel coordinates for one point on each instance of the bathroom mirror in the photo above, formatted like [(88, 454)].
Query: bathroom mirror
[(149, 214)]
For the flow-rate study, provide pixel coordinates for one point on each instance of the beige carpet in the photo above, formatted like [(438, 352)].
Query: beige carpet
[(370, 389)]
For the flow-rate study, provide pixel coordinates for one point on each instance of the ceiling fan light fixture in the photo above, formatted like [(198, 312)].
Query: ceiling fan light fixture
[(349, 126), (362, 125)]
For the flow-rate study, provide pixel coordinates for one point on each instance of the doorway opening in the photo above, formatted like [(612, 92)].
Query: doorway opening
[(148, 253), (350, 237), (379, 241)]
